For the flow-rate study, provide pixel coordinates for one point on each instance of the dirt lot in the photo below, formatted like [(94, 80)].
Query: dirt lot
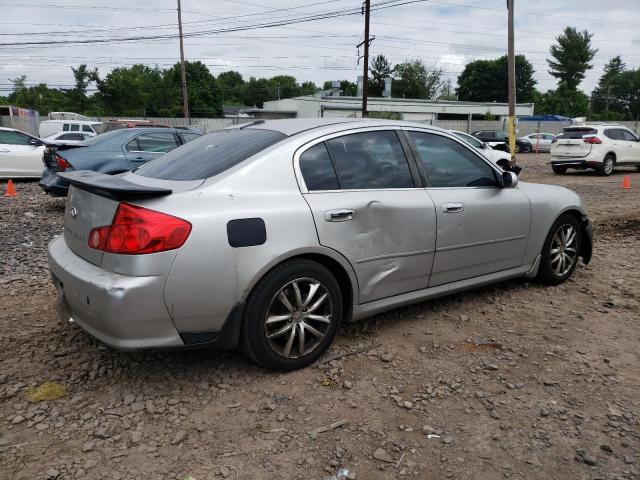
[(510, 381)]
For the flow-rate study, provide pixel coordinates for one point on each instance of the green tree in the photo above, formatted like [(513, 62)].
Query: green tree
[(257, 91), (379, 70), (78, 100), (138, 90), (571, 58), (347, 88), (283, 86), (39, 97), (603, 101), (569, 103), (414, 79), (231, 84), (205, 99), (488, 81), (308, 88)]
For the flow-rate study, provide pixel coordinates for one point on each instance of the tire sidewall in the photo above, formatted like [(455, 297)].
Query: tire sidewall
[(259, 301), (603, 169), (545, 272)]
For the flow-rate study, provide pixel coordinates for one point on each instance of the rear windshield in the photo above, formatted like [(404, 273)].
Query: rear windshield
[(210, 155), (577, 132), (105, 137)]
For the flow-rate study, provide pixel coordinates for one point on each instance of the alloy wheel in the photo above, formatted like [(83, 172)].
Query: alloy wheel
[(608, 166), (564, 249), (299, 317)]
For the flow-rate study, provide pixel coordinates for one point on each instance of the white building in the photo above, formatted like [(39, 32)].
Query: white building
[(398, 108)]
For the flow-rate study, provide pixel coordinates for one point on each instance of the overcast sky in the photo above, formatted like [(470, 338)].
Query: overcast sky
[(448, 33)]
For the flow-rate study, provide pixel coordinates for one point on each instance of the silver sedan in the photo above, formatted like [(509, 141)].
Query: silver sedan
[(271, 235)]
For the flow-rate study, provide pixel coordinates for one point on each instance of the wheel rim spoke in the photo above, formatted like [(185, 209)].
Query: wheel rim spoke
[(301, 339), (280, 332), (287, 347), (313, 288), (277, 318), (298, 295), (319, 318), (315, 306), (285, 301), (313, 331)]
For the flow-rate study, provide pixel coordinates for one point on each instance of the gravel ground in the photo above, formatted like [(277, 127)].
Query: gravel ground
[(515, 380)]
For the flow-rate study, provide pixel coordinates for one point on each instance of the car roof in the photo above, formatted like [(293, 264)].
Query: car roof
[(71, 120), (294, 126)]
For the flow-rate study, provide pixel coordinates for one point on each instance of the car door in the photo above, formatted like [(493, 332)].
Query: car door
[(367, 205), (616, 144), (149, 146), (632, 149), (482, 228), (20, 155)]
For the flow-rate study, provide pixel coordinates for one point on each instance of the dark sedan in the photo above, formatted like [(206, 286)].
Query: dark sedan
[(112, 152)]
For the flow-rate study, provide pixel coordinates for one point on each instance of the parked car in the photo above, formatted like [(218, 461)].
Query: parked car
[(499, 157), (20, 154), (111, 153), (50, 127), (67, 138), (600, 147), (117, 124), (272, 234), (500, 140), (541, 141)]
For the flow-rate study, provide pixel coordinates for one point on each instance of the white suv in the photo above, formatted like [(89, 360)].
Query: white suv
[(597, 146)]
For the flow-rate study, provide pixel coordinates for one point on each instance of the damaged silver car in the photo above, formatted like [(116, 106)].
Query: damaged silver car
[(270, 235)]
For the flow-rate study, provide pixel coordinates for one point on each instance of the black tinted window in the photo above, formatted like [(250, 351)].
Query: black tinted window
[(13, 138), (317, 169), (577, 132), (628, 136), (449, 164), (370, 160), (210, 154)]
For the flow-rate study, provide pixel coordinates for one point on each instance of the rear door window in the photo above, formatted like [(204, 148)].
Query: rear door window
[(450, 164), (317, 169), (370, 160), (211, 154), (75, 127), (153, 143)]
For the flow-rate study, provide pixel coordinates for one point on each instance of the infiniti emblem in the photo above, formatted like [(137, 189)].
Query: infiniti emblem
[(74, 212)]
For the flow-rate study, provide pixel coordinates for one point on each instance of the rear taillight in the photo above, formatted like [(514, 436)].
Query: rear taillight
[(62, 163), (137, 230), (592, 140)]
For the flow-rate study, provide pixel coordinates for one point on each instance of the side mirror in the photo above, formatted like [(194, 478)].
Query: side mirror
[(484, 145), (34, 142), (509, 179)]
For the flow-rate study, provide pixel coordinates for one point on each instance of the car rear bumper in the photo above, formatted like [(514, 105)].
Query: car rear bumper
[(580, 164), (124, 312), (53, 184)]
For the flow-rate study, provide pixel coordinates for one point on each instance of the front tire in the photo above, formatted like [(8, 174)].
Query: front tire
[(559, 170), (292, 316), (560, 251), (607, 166)]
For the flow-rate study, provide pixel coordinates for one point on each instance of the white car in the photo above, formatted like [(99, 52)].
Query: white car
[(68, 138), (49, 127), (541, 141), (20, 154), (499, 157), (600, 147)]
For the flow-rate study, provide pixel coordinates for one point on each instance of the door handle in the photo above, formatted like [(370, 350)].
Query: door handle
[(340, 215), (453, 207)]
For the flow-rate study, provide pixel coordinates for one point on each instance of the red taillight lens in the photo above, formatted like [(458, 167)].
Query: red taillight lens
[(592, 140), (62, 163), (137, 230)]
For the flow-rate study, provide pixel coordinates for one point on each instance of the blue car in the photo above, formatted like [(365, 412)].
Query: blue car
[(113, 152)]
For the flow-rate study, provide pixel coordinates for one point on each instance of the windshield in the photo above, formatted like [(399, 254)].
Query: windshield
[(474, 142), (210, 155)]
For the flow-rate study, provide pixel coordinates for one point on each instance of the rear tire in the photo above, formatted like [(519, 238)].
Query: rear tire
[(560, 252), (559, 170), (607, 166), (292, 332)]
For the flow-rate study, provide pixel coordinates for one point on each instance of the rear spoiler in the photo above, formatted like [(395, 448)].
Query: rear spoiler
[(111, 186)]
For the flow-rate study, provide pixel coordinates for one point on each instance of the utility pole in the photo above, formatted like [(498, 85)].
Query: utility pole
[(183, 71), (366, 42), (606, 105), (512, 83)]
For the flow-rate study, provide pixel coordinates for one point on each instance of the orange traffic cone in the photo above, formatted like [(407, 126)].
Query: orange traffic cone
[(626, 182), (11, 190)]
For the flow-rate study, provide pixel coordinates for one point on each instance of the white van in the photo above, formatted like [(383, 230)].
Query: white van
[(49, 127)]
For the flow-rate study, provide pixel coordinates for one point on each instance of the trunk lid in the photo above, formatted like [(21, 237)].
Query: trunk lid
[(570, 143)]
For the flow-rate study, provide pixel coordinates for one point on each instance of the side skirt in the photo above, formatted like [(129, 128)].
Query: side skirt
[(379, 306)]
